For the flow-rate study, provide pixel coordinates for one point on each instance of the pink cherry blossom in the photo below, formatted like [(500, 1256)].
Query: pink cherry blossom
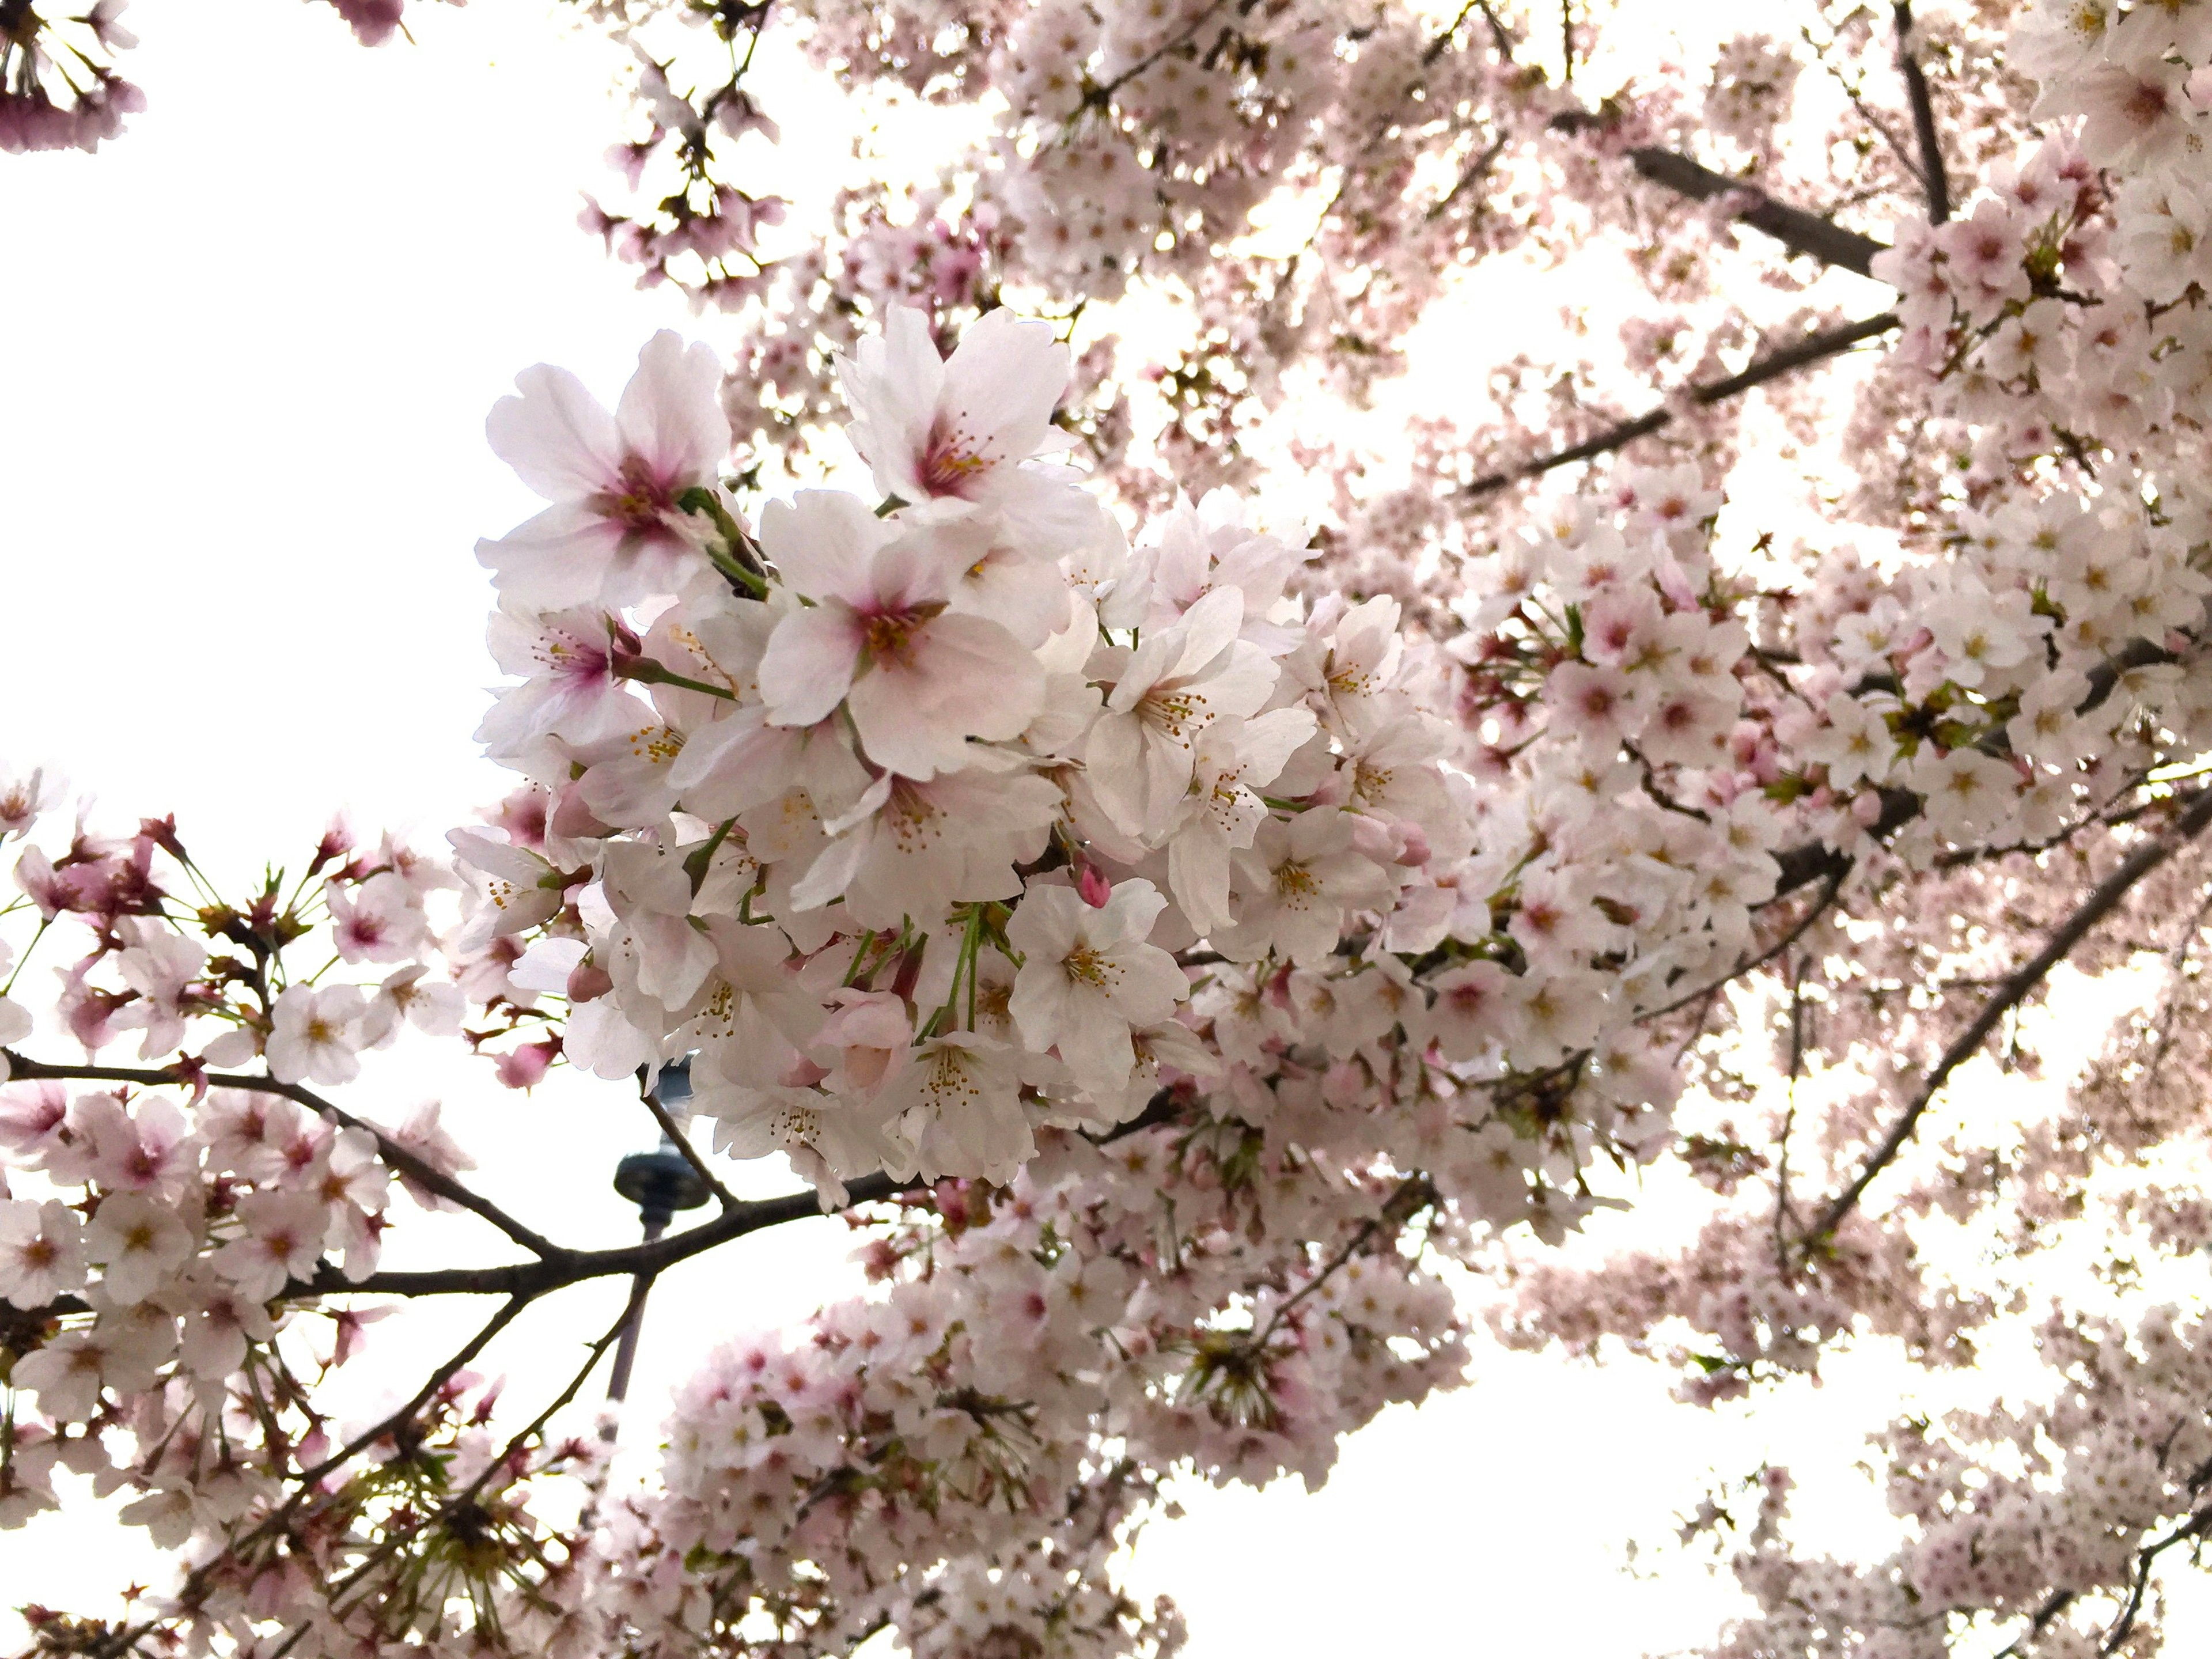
[(616, 532)]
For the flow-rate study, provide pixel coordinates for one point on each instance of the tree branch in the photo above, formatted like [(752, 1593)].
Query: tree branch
[(682, 1142), (534, 1278), (129, 1637), (2139, 1581), (22, 1067), (1410, 1195), (467, 1495), (2103, 899), (1812, 860), (1794, 228), (1932, 178), (1828, 342)]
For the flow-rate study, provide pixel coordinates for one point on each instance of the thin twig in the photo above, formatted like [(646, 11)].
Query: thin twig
[(1099, 93), (682, 1142), (1828, 342), (1798, 929), (467, 1495), (1498, 37), (1408, 1196), (1852, 89), (407, 1162), (2103, 899)]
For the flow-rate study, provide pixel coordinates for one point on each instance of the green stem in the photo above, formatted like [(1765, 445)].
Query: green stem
[(44, 922), (695, 865), (645, 671)]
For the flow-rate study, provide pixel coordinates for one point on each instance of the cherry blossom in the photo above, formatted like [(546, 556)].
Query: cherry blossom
[(1212, 968), (616, 526)]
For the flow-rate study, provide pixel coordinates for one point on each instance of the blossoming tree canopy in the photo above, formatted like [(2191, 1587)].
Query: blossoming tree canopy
[(1214, 959)]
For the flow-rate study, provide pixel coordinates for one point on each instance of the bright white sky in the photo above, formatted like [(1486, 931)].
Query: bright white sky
[(241, 407)]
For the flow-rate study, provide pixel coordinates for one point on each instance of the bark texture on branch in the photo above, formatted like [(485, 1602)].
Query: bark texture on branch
[(1828, 342), (1932, 178), (1794, 228), (2017, 987)]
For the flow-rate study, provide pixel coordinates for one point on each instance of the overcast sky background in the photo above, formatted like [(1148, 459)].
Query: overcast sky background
[(249, 350)]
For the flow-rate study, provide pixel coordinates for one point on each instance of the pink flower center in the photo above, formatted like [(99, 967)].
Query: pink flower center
[(889, 632), (953, 464), (643, 502)]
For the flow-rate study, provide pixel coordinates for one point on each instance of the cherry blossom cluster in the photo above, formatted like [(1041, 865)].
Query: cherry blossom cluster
[(960, 1455), (2021, 1517), (954, 816), (59, 88), (2017, 670), (1200, 933), (1135, 146), (702, 231), (149, 1229)]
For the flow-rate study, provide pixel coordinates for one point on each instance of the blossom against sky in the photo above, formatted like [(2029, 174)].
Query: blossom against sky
[(247, 464)]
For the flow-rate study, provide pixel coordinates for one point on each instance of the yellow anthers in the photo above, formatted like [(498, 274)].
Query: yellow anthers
[(657, 743), (1086, 966), (1177, 714)]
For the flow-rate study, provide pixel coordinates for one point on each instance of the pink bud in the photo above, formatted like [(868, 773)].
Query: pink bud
[(524, 1067), (587, 981), (1094, 887)]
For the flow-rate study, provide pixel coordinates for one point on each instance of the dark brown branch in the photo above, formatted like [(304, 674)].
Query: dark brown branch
[(1813, 349), (1815, 860), (1932, 178), (467, 1495), (690, 1153), (20, 1068), (1794, 228), (2103, 899), (534, 1278), (1812, 860), (1410, 1195), (128, 1637)]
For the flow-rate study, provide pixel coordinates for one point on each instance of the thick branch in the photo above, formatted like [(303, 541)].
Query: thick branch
[(1932, 178), (2103, 899), (20, 1068), (1795, 228), (534, 1278), (1813, 347)]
